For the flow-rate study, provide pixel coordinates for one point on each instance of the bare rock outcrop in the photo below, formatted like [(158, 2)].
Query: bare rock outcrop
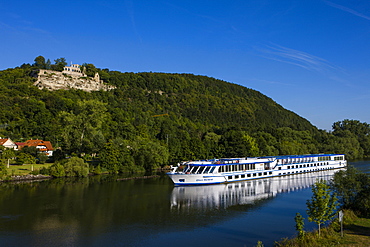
[(55, 80)]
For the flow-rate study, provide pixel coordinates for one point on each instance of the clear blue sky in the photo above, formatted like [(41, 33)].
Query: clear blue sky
[(310, 56)]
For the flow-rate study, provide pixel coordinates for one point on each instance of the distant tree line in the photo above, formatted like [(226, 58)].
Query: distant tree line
[(155, 119)]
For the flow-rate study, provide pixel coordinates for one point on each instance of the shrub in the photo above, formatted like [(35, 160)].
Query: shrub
[(3, 171), (57, 170)]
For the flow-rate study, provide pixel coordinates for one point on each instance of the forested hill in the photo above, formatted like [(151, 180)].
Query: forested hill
[(204, 100), (152, 119)]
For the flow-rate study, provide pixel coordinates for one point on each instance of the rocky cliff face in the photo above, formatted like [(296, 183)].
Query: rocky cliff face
[(54, 80)]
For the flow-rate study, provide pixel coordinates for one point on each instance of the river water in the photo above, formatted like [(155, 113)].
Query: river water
[(104, 211)]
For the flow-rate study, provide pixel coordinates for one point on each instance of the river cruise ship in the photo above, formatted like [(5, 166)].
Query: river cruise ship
[(215, 171)]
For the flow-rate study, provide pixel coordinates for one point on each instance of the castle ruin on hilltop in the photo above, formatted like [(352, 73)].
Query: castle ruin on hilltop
[(70, 77)]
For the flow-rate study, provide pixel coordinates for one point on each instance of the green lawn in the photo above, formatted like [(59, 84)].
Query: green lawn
[(25, 169)]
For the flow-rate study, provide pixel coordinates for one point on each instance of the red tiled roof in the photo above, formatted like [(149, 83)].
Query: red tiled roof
[(35, 143), (2, 141)]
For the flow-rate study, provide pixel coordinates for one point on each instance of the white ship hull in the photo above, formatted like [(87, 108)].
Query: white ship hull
[(240, 169)]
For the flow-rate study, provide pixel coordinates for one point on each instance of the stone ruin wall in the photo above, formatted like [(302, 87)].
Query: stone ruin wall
[(55, 80)]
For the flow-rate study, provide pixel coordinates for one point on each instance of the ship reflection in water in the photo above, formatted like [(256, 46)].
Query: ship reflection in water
[(223, 196)]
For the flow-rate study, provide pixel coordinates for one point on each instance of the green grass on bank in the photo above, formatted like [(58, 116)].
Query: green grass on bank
[(15, 170), (356, 232)]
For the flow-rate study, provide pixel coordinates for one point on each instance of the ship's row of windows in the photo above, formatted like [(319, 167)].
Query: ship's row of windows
[(199, 169), (304, 160), (224, 168), (249, 175), (324, 158), (311, 170), (235, 168), (307, 165), (294, 160)]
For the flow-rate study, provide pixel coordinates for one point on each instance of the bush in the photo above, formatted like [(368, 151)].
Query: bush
[(73, 167), (97, 170), (3, 171), (41, 158), (25, 158), (44, 171), (57, 170)]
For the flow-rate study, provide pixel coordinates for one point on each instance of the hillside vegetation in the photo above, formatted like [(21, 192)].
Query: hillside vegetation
[(155, 119)]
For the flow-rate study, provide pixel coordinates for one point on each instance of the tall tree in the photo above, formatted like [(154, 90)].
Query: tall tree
[(360, 130), (82, 126), (322, 206), (59, 64), (352, 187), (40, 62), (299, 225)]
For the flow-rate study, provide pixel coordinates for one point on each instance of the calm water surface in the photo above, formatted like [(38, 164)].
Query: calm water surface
[(101, 211)]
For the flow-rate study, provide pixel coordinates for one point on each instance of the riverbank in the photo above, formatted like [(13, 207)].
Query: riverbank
[(27, 177), (356, 232)]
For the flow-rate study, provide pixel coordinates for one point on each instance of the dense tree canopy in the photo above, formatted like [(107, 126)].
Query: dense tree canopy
[(154, 119)]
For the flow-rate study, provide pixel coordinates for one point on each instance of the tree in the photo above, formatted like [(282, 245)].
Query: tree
[(59, 64), (48, 64), (25, 158), (361, 131), (149, 154), (3, 171), (352, 188), (80, 127), (73, 167), (40, 62), (41, 158), (299, 225), (239, 144), (31, 150), (8, 154), (90, 69), (111, 157), (57, 170), (322, 206)]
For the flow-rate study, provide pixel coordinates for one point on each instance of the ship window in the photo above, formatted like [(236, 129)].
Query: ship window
[(270, 173), (230, 177), (265, 173), (279, 168), (181, 180), (236, 176), (200, 170), (212, 169), (288, 167), (249, 175), (207, 169), (254, 174), (242, 176)]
